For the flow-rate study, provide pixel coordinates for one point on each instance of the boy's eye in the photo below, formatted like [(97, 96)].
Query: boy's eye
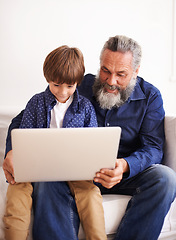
[(70, 86)]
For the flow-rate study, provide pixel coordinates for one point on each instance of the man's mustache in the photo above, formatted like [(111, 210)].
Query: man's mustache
[(111, 87)]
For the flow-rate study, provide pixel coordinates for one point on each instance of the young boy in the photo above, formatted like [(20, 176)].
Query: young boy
[(59, 106)]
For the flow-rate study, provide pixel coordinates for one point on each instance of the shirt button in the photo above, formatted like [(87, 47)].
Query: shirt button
[(107, 124)]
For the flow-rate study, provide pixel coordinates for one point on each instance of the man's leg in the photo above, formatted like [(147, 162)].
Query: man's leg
[(55, 213), (152, 192)]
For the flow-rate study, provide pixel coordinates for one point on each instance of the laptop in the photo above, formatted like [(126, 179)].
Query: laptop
[(65, 154)]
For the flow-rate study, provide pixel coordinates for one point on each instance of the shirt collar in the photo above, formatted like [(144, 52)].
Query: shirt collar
[(137, 93), (51, 100)]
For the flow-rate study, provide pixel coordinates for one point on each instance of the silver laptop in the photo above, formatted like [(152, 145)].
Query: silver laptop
[(64, 154)]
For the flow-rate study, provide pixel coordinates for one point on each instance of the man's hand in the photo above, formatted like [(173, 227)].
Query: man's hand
[(8, 168), (110, 177)]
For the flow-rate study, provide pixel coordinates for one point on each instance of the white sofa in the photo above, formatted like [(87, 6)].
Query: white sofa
[(114, 205)]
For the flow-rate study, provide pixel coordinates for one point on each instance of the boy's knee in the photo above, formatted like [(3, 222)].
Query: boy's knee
[(19, 194), (18, 188), (94, 195), (18, 206)]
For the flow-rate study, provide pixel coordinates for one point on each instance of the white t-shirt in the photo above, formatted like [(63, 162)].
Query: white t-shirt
[(58, 113)]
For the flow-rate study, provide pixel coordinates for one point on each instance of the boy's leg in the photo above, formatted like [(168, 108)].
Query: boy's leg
[(18, 211), (90, 209)]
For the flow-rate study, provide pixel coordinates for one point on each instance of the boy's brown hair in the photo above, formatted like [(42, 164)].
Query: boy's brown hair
[(64, 65)]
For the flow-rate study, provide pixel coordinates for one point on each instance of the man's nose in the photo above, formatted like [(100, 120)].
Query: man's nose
[(112, 80)]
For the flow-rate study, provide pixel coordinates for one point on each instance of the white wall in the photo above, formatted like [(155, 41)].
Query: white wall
[(31, 29)]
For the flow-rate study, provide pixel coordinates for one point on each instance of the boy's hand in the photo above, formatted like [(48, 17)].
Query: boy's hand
[(110, 177), (8, 168)]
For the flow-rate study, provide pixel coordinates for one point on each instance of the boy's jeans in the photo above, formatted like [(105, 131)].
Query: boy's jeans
[(153, 191)]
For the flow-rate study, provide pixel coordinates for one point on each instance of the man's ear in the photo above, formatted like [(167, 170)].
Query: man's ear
[(136, 72)]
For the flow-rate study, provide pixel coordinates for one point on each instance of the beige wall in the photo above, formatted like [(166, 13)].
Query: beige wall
[(31, 29)]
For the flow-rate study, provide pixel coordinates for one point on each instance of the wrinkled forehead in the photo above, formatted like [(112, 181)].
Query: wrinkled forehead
[(116, 60)]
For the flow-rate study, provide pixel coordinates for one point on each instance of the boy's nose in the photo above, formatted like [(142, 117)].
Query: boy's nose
[(63, 91)]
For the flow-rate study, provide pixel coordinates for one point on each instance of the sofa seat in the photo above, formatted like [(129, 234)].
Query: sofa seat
[(114, 205)]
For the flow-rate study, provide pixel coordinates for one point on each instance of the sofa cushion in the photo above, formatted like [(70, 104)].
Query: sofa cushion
[(3, 189), (170, 143)]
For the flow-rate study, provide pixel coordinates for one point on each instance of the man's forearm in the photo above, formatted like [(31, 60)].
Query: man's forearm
[(14, 124)]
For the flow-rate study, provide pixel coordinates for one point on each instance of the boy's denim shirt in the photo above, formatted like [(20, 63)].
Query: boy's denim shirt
[(37, 113)]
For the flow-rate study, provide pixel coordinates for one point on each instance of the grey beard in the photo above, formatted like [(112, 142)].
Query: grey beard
[(110, 100)]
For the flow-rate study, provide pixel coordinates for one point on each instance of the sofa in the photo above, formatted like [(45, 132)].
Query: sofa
[(114, 205)]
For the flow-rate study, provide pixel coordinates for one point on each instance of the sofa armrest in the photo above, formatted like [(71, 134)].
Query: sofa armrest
[(170, 143)]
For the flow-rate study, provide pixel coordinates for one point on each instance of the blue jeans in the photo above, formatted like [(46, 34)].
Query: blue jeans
[(152, 193), (55, 212)]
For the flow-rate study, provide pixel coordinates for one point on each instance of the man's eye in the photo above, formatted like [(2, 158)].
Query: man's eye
[(105, 70), (70, 86), (121, 75)]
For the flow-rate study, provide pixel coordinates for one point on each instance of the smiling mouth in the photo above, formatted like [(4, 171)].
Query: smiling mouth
[(111, 87)]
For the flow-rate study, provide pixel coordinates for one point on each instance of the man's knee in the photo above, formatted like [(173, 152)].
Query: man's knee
[(165, 178)]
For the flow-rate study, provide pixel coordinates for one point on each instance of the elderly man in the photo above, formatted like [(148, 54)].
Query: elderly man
[(120, 98)]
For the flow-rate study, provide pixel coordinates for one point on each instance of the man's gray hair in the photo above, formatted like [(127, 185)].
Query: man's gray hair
[(124, 44)]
